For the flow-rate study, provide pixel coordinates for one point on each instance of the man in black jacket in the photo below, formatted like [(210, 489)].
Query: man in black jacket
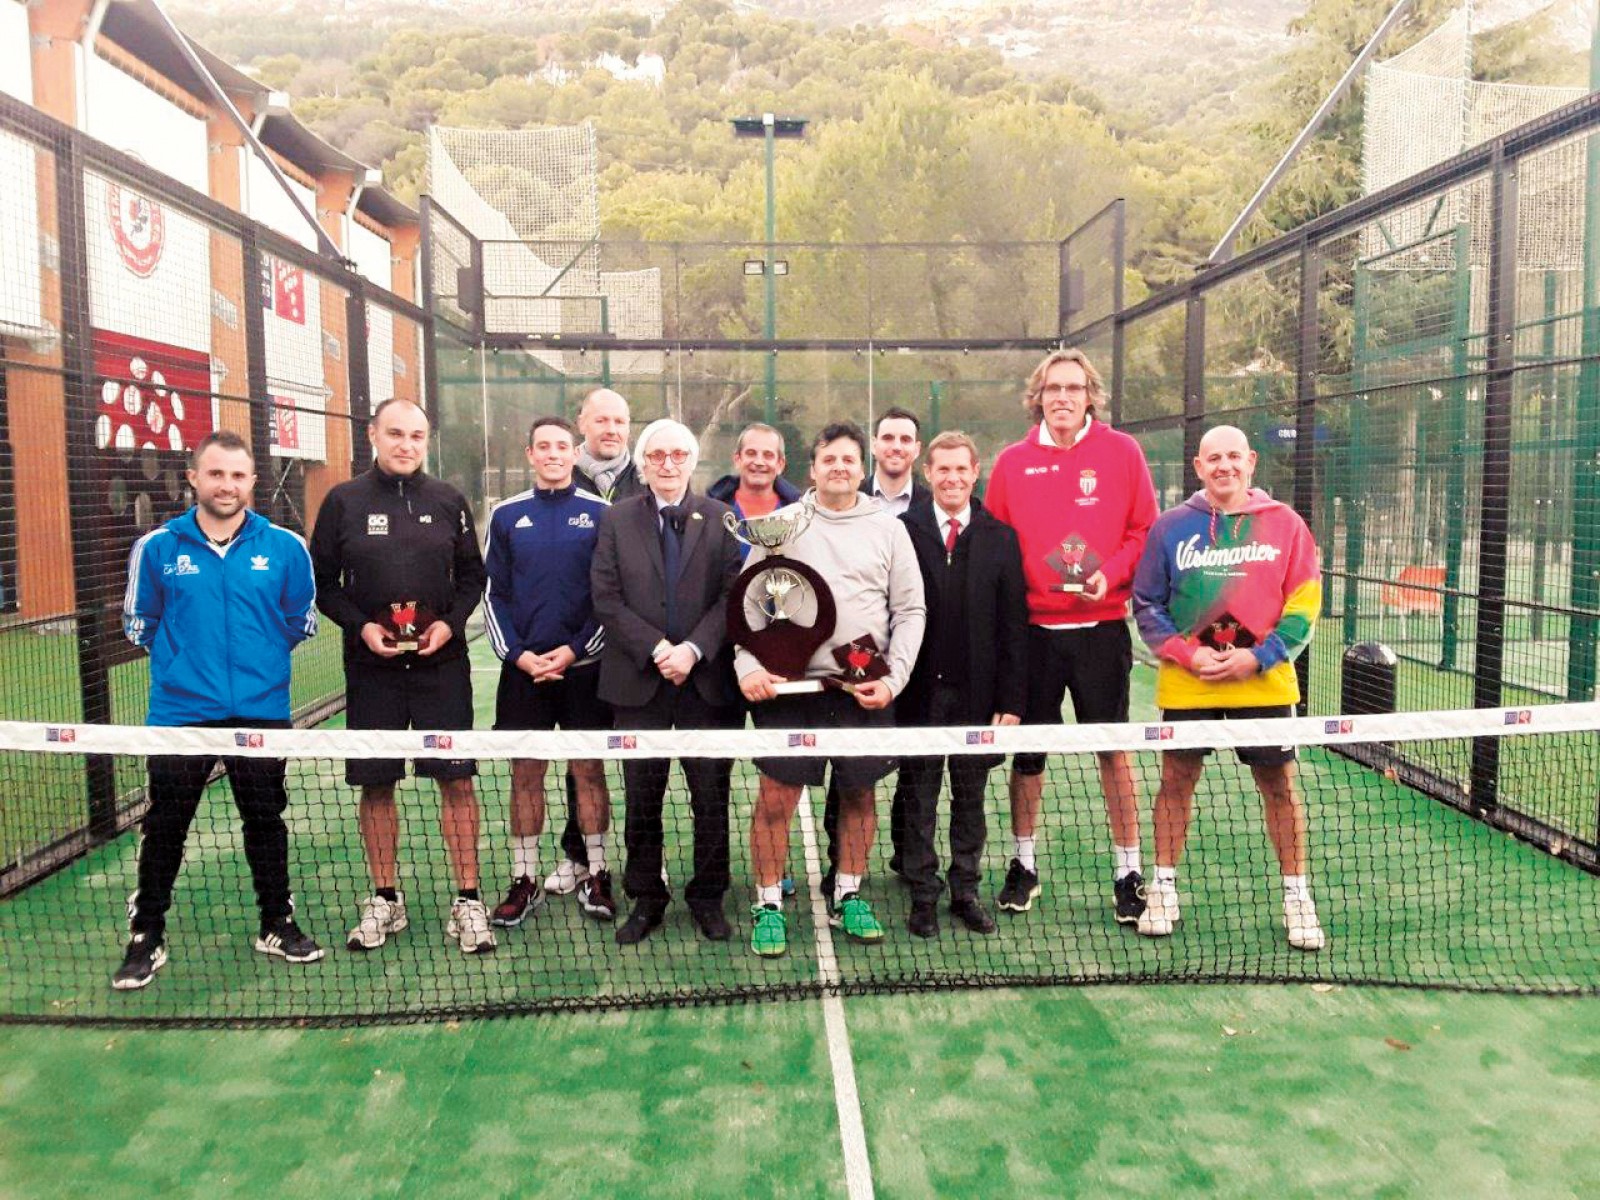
[(971, 671), (660, 580), (398, 569)]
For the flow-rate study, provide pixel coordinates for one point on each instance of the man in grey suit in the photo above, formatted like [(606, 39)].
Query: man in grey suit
[(660, 580)]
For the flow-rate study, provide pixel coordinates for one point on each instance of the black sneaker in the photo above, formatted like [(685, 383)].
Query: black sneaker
[(1130, 898), (286, 940), (594, 897), (146, 954), (1022, 885)]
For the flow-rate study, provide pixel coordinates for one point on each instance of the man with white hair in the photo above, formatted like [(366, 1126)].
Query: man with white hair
[(660, 581)]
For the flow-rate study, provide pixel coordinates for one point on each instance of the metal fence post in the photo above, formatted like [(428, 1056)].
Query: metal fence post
[(256, 385), (1119, 250), (94, 572), (1305, 417), (360, 388), (1489, 648), (1194, 382)]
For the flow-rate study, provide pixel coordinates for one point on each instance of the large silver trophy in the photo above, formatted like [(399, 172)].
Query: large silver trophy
[(780, 609)]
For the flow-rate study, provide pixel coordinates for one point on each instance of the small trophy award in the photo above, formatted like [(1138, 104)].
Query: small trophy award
[(1073, 562), (1226, 633), (403, 623), (859, 662), (771, 598)]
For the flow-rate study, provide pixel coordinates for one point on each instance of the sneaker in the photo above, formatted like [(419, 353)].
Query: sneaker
[(523, 900), (286, 940), (1129, 891), (1300, 919), (594, 897), (853, 917), (146, 954), (379, 918), (1160, 910), (770, 936), (469, 925), (786, 886), (564, 880), (1022, 885)]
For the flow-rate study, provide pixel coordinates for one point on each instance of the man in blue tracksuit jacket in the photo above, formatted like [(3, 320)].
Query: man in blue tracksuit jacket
[(541, 620), (219, 596)]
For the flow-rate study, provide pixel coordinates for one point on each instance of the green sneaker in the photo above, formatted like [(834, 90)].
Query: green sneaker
[(854, 917), (770, 937)]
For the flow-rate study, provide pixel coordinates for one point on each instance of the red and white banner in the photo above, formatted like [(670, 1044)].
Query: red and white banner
[(149, 267), (150, 394), (299, 423)]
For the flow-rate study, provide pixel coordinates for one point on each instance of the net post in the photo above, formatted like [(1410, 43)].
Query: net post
[(1305, 418), (93, 568), (1456, 514), (1489, 648), (255, 352), (1194, 382)]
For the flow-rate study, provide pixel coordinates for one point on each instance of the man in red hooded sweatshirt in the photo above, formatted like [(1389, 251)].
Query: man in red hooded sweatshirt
[(1079, 495)]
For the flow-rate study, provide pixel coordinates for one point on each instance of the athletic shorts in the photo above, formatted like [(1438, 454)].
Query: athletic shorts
[(422, 695), (571, 702), (1250, 756), (1091, 665), (823, 710)]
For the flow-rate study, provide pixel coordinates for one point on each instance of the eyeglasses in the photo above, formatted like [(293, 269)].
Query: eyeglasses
[(1064, 389), (658, 457)]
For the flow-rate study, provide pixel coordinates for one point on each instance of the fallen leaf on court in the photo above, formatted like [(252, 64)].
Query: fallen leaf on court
[(1322, 987), (745, 1064), (1229, 1031), (1396, 1044)]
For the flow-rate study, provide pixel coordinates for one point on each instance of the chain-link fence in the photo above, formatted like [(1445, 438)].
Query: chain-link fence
[(136, 316)]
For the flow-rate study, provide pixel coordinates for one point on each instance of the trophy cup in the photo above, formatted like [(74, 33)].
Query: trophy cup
[(771, 598), (1073, 562), (403, 623)]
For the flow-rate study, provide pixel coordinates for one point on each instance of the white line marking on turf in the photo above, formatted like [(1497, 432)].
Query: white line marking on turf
[(846, 1098)]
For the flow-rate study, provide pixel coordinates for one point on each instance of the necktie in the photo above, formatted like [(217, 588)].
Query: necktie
[(952, 531), (672, 561)]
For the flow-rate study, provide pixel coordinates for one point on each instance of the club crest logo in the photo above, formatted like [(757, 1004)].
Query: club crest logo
[(139, 228), (184, 566), (1086, 482)]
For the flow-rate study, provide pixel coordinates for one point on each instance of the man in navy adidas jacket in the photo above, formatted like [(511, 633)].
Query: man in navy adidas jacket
[(542, 625), (219, 596)]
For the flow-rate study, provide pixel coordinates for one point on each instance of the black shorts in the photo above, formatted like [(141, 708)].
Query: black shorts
[(1092, 665), (823, 710), (571, 702), (420, 696), (1250, 756)]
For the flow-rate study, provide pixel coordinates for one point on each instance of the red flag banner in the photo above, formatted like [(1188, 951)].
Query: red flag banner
[(149, 394)]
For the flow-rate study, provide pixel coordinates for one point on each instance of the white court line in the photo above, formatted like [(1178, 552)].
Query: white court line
[(846, 1098)]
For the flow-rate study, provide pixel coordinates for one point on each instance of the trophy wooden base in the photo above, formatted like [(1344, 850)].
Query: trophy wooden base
[(798, 687), (1071, 589), (406, 646)]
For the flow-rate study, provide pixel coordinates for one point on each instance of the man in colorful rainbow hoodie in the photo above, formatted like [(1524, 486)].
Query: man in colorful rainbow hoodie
[(1226, 594)]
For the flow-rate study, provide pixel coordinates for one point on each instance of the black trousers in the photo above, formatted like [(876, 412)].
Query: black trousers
[(176, 784), (969, 781), (645, 781), (571, 835)]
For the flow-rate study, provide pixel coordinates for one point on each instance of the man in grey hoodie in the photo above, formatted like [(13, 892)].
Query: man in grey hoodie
[(866, 556)]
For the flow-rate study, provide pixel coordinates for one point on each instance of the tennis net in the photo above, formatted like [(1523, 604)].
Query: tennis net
[(1419, 877)]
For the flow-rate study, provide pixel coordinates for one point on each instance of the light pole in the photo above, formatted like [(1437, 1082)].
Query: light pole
[(769, 128)]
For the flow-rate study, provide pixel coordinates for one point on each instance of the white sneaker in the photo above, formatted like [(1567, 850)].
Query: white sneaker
[(564, 880), (379, 918), (1160, 910), (1300, 919), (469, 925)]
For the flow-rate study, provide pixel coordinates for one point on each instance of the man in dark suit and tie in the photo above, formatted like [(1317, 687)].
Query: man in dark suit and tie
[(660, 579), (971, 670)]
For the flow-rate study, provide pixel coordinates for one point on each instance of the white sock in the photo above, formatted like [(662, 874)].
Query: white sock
[(595, 844), (524, 857), (1295, 887), (1128, 860), (844, 884), (771, 897), (1167, 877), (1024, 852)]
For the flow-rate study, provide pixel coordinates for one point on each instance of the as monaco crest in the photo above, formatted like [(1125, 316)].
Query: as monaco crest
[(139, 228)]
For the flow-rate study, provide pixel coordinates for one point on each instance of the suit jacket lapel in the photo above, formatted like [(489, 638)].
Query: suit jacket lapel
[(649, 528), (693, 532)]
